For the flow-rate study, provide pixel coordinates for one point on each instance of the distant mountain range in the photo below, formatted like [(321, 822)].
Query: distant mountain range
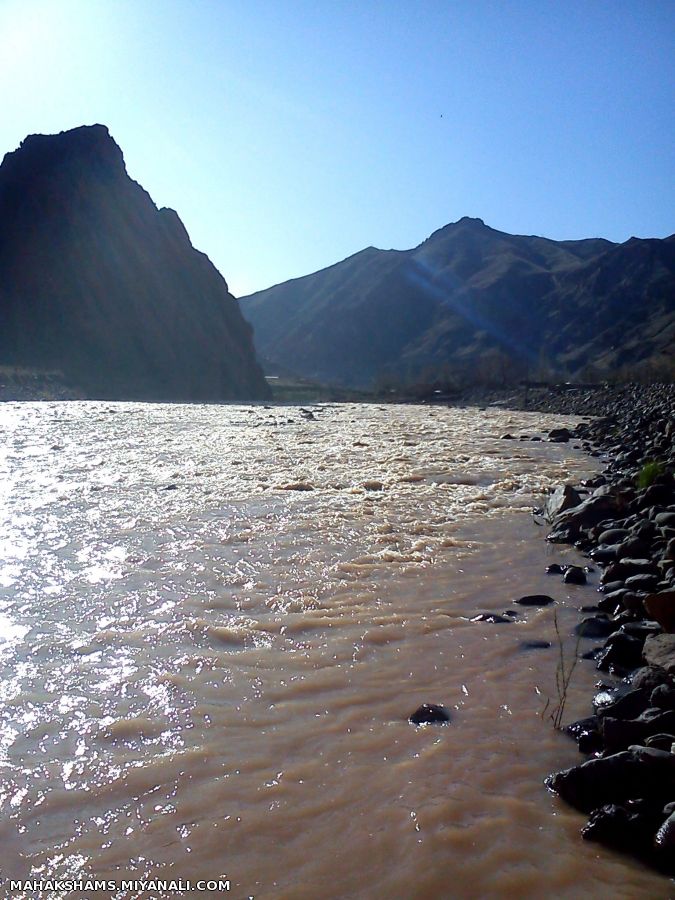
[(468, 300), (97, 283)]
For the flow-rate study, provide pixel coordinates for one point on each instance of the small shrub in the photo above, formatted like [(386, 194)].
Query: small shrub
[(649, 473)]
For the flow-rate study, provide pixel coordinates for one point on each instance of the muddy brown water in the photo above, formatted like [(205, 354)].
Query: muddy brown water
[(215, 620)]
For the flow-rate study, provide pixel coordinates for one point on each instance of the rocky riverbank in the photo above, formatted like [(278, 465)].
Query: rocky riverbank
[(624, 520), (32, 384)]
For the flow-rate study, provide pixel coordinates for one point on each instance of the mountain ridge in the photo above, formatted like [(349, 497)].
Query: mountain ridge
[(464, 295)]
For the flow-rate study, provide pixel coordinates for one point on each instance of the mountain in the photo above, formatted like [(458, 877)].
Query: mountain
[(98, 283), (470, 298)]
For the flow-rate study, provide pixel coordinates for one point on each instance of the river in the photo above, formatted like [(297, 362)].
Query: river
[(215, 621)]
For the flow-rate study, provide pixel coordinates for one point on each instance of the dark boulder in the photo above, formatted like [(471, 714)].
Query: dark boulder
[(665, 837), (574, 575), (610, 824), (535, 600), (605, 553), (627, 706), (633, 548), (563, 534), (661, 742), (595, 627), (661, 607), (610, 586), (559, 435), (643, 582), (611, 779), (622, 652), (619, 734), (650, 677), (665, 519), (590, 512), (564, 497), (590, 723), (663, 696), (613, 536), (641, 629), (659, 650), (430, 714)]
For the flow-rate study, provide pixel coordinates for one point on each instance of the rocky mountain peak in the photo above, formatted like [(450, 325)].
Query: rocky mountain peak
[(99, 284)]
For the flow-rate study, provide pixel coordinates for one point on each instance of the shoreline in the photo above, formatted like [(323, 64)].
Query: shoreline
[(626, 525)]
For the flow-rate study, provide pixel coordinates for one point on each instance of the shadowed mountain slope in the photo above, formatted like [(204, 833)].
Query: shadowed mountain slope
[(98, 283), (465, 294)]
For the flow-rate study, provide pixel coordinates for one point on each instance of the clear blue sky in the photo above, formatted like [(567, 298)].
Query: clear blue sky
[(290, 134)]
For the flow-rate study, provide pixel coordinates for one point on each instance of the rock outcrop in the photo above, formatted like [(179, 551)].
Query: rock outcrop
[(98, 284)]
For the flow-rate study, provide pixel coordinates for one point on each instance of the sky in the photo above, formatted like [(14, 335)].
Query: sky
[(289, 134)]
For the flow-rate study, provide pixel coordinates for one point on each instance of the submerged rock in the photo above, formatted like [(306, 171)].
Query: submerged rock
[(430, 714), (614, 779), (535, 645), (625, 706), (559, 436), (610, 824), (595, 627), (492, 618), (574, 575), (622, 651), (535, 600)]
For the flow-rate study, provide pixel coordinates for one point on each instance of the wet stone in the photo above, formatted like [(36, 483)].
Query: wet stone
[(595, 627), (574, 575), (661, 741), (628, 706), (610, 587), (613, 536), (663, 697), (642, 582), (665, 519), (665, 836), (564, 497), (491, 618), (574, 729), (610, 824), (623, 652), (430, 714), (535, 600), (605, 554)]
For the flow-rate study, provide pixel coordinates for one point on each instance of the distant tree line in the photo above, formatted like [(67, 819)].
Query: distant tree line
[(497, 369)]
